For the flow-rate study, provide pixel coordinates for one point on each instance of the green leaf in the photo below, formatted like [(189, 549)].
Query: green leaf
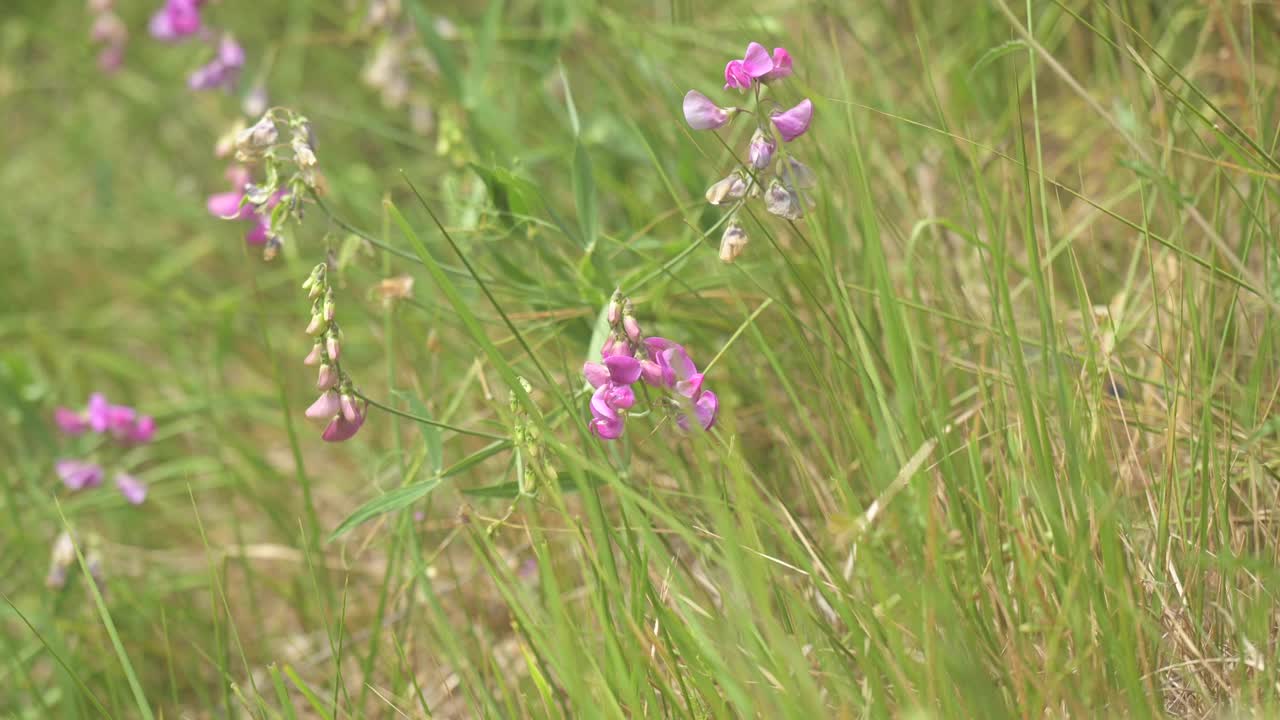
[(388, 502), (996, 53)]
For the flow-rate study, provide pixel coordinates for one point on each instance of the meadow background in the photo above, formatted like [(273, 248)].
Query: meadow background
[(998, 432)]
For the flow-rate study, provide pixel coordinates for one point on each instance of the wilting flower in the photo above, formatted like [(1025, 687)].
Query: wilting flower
[(177, 19), (761, 149), (732, 242), (793, 123), (731, 187), (78, 474), (61, 557), (796, 174), (223, 70), (782, 201), (133, 489), (702, 114)]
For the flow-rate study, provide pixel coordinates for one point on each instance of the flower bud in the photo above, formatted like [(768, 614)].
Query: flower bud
[(331, 345), (348, 405), (330, 307), (615, 309), (632, 328), (761, 150), (732, 242), (326, 407), (63, 556), (327, 377), (317, 324)]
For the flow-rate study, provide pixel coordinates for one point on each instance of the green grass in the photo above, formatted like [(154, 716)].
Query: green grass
[(998, 431)]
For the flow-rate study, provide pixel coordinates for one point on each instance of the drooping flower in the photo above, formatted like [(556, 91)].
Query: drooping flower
[(71, 422), (78, 474), (793, 123), (234, 205), (325, 407), (782, 201), (732, 241), (702, 114), (176, 20), (133, 489), (781, 65), (731, 187), (341, 428)]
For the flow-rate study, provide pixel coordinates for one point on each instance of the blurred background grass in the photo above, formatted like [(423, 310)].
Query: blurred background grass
[(997, 432)]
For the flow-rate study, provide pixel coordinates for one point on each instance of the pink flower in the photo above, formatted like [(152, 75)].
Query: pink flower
[(78, 475), (133, 489), (223, 70), (325, 407), (97, 412), (606, 422), (793, 123), (668, 363), (735, 78), (143, 430), (341, 429), (176, 20), (702, 114), (781, 65), (71, 422), (755, 64), (232, 206)]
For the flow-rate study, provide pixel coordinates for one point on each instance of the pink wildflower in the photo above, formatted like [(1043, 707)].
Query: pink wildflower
[(793, 123)]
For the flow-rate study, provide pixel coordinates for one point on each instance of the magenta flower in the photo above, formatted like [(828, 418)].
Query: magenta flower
[(341, 428), (78, 474), (606, 421), (133, 489), (755, 64), (143, 430), (702, 114), (98, 412), (781, 65), (71, 422), (178, 19), (793, 123), (233, 206), (223, 70), (735, 78)]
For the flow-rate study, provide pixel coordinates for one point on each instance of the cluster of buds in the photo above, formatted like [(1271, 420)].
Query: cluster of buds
[(397, 53), (534, 468), (339, 404), (109, 31), (121, 425), (178, 21), (62, 557), (627, 357), (779, 183), (289, 170)]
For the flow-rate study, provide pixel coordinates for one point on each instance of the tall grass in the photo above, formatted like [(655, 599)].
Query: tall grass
[(998, 429)]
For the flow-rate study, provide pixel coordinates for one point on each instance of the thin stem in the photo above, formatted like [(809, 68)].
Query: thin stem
[(427, 421)]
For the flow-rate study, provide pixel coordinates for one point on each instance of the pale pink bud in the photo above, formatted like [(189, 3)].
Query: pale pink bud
[(314, 357), (331, 345), (326, 407), (632, 328), (327, 377), (317, 324), (348, 405)]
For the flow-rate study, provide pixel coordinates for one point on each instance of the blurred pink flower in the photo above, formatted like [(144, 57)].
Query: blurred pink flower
[(223, 70), (793, 123), (702, 114), (176, 20), (78, 474), (781, 65), (133, 489)]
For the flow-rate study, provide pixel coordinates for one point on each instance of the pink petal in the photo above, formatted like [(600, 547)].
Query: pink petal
[(701, 113), (70, 422), (227, 206), (143, 430), (78, 475), (600, 406), (341, 429), (133, 489), (98, 409), (259, 234), (623, 369), (606, 429), (781, 65), (348, 405), (757, 61), (621, 397), (595, 373), (706, 408), (735, 77), (325, 407), (794, 122)]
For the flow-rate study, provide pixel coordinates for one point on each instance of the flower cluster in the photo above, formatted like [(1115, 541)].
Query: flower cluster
[(338, 403), (397, 54), (121, 424), (109, 31), (780, 183), (179, 20), (628, 356), (289, 167)]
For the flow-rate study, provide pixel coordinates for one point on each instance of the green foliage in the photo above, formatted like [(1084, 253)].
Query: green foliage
[(998, 431)]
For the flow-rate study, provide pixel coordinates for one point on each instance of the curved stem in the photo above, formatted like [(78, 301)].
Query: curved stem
[(428, 421)]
